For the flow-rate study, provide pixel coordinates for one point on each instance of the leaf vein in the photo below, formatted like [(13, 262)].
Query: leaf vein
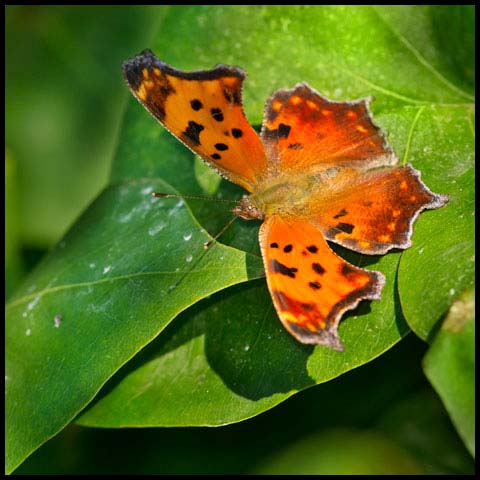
[(410, 134)]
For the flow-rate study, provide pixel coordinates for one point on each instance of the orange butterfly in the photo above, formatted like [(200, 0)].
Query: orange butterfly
[(320, 170)]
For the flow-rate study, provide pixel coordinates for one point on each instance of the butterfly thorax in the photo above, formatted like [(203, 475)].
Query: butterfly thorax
[(287, 194), (270, 200), (248, 210)]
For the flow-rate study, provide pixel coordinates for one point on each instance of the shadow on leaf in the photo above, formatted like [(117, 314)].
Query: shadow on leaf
[(253, 354)]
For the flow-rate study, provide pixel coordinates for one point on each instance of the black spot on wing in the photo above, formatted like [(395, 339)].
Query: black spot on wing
[(216, 156), (278, 267), (221, 147), (281, 132), (312, 249), (317, 268), (341, 213), (295, 146), (274, 245), (236, 132), (217, 114), (288, 248), (345, 227), (314, 285), (191, 135), (284, 130), (196, 104)]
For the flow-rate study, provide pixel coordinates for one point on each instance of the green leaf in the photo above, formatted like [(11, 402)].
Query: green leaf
[(221, 349), (238, 448), (408, 122), (112, 284), (229, 358), (450, 366), (440, 263)]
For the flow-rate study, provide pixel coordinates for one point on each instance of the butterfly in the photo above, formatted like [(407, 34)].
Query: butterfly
[(320, 171)]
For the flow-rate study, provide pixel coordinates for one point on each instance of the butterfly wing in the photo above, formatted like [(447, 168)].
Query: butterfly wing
[(301, 129), (204, 110), (371, 212), (358, 198), (310, 285)]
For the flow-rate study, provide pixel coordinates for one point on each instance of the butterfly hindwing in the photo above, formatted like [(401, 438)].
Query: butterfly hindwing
[(204, 110), (372, 212), (310, 285)]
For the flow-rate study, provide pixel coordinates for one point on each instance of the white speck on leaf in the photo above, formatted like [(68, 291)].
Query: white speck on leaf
[(126, 218), (143, 208), (28, 332), (147, 190), (420, 251), (91, 265), (175, 208), (57, 320), (246, 348), (189, 258), (187, 236), (107, 269), (32, 304), (451, 291), (156, 229)]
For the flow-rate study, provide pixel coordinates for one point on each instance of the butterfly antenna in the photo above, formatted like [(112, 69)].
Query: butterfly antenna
[(214, 239), (208, 244), (192, 197)]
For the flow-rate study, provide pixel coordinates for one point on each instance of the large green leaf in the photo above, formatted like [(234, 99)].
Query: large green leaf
[(222, 348), (112, 284), (229, 359), (441, 262), (408, 122)]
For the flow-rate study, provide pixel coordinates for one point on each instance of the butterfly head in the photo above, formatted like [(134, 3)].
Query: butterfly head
[(247, 209)]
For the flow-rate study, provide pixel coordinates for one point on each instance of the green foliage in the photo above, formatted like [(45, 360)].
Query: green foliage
[(342, 452), (450, 366), (135, 288)]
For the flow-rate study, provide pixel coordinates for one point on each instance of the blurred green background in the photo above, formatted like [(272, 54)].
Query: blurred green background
[(64, 101), (65, 98)]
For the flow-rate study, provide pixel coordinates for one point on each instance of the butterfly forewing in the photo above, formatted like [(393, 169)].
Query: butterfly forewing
[(301, 129), (204, 110)]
